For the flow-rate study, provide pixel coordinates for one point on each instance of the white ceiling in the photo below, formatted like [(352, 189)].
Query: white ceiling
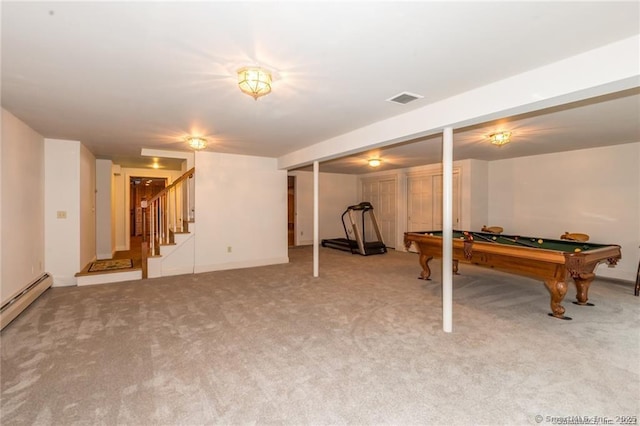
[(124, 76)]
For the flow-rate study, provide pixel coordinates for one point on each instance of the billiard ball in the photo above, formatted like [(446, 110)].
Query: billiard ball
[(577, 250), (494, 238), (540, 241)]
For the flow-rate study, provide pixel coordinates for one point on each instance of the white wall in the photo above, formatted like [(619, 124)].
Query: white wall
[(335, 193), (241, 202), (121, 214), (474, 194), (87, 207), (104, 194), (593, 191), (22, 207), (115, 170), (62, 194)]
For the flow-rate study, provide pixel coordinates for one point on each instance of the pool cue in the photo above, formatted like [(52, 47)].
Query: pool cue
[(485, 238), (520, 242)]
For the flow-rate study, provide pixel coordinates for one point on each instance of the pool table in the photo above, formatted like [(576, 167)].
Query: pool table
[(553, 261)]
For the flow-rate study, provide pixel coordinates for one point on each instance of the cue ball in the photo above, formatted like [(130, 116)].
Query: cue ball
[(578, 250), (494, 238), (540, 241)]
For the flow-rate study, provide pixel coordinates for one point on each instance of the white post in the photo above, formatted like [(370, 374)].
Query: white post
[(316, 243), (447, 229)]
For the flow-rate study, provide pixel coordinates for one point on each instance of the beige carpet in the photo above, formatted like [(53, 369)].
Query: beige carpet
[(360, 345)]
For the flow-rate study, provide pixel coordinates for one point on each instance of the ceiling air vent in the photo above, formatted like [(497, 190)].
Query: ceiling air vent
[(404, 98)]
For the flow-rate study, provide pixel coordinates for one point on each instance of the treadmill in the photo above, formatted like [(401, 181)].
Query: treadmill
[(358, 245)]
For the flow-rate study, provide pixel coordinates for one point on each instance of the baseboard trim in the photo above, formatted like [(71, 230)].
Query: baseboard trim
[(240, 265), (184, 270), (20, 302)]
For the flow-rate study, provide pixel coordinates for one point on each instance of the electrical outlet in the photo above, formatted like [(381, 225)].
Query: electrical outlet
[(228, 249), (61, 214)]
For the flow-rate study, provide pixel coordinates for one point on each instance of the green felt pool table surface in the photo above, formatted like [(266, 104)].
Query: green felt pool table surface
[(518, 240)]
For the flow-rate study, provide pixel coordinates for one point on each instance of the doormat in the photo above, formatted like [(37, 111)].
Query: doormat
[(110, 265)]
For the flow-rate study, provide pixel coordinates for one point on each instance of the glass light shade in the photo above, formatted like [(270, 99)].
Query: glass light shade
[(375, 162), (255, 82), (500, 138), (197, 143)]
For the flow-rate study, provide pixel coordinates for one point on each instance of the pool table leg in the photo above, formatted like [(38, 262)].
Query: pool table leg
[(426, 271), (583, 281), (557, 289)]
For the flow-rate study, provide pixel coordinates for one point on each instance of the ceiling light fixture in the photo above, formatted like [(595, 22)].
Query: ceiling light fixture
[(197, 142), (500, 138), (254, 81), (375, 162)]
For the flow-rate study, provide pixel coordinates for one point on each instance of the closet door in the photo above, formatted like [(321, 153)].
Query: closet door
[(386, 211), (437, 204), (424, 202), (420, 203), (382, 196), (370, 193)]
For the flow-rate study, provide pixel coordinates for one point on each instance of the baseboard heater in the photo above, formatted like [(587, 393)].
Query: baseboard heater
[(19, 302)]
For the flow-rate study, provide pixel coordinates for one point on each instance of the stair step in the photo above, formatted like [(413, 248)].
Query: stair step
[(92, 278)]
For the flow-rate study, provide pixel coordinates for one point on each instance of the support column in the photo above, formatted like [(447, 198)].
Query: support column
[(316, 243), (447, 230)]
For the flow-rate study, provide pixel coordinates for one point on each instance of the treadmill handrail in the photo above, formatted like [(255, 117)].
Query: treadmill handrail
[(365, 205)]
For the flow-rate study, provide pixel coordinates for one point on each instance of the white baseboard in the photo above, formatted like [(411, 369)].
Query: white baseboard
[(239, 265), (105, 256), (183, 270), (64, 281)]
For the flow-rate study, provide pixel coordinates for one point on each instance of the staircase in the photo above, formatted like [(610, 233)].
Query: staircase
[(175, 257), (171, 245), (169, 249)]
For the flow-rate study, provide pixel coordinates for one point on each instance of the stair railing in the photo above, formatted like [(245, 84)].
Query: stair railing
[(168, 211)]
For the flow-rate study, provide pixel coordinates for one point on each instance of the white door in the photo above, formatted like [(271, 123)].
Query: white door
[(437, 205), (386, 211), (369, 193), (382, 196), (420, 204), (424, 202)]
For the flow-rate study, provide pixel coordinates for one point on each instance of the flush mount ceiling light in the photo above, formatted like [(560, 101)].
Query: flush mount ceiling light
[(375, 162), (500, 138), (197, 143), (254, 81)]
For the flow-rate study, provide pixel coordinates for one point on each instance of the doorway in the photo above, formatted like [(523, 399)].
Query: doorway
[(142, 188)]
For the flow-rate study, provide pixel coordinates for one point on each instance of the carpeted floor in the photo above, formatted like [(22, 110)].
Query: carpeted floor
[(362, 344)]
